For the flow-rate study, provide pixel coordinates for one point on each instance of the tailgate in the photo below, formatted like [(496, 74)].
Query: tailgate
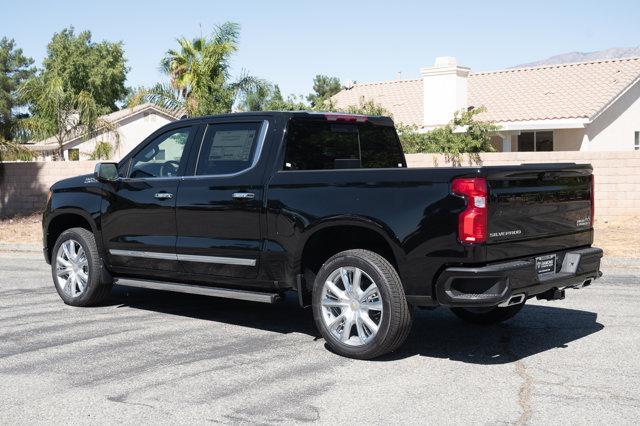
[(538, 201)]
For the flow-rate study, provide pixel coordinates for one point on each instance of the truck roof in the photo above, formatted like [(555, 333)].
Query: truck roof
[(312, 115)]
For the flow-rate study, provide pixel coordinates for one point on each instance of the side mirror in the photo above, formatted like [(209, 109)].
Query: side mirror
[(106, 171)]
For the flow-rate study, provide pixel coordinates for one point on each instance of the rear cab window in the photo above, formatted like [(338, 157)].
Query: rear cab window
[(326, 145)]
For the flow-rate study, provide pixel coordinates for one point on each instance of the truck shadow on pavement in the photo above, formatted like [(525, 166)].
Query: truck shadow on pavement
[(435, 334), (536, 329)]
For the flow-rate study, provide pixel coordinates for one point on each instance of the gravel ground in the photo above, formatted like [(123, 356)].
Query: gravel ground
[(150, 357)]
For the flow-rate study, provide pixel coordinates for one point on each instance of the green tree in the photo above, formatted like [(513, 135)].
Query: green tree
[(60, 112), (259, 96), (163, 95), (464, 134), (102, 151), (323, 87), (199, 72), (364, 108), (15, 68), (12, 151), (81, 81), (291, 103), (84, 65), (267, 97)]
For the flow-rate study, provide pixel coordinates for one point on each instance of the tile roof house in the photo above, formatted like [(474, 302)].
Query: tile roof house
[(587, 106), (133, 126)]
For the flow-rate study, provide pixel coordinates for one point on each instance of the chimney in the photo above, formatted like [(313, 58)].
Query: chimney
[(444, 89)]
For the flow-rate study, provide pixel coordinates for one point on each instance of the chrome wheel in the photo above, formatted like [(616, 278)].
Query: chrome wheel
[(351, 306), (72, 268)]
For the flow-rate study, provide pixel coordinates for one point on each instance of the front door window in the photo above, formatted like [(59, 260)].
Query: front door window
[(161, 158)]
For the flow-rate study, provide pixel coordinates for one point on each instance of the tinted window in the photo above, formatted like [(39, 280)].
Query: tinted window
[(161, 157), (535, 141), (317, 145), (526, 142), (228, 148), (544, 141), (380, 147)]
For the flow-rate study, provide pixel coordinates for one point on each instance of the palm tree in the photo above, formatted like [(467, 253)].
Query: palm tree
[(199, 73), (59, 112), (11, 151)]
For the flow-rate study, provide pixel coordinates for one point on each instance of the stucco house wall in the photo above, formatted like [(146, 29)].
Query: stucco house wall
[(614, 128), (617, 136), (568, 139), (563, 140)]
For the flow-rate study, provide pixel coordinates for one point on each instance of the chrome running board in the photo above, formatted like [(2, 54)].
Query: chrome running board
[(201, 290)]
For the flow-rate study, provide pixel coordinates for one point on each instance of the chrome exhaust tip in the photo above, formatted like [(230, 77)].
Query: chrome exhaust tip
[(513, 300), (585, 283)]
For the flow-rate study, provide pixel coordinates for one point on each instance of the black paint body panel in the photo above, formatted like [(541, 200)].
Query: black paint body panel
[(413, 210)]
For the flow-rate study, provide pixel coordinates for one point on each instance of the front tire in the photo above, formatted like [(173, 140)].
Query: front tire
[(78, 274), (359, 305), (487, 316)]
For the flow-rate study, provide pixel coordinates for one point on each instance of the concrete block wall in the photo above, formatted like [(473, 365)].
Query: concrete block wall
[(24, 185), (617, 174)]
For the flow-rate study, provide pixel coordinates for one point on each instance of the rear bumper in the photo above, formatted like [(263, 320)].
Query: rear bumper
[(496, 283)]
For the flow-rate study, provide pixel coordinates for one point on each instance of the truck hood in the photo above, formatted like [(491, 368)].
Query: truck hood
[(81, 181)]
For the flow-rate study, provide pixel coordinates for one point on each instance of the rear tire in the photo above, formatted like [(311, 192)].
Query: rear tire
[(367, 317), (77, 269), (490, 316)]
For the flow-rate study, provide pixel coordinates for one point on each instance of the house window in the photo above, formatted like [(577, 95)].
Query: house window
[(636, 142), (535, 141), (73, 154)]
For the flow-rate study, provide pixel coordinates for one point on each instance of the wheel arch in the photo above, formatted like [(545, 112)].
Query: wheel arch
[(338, 234), (61, 220)]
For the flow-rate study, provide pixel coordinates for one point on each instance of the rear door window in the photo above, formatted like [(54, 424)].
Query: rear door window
[(318, 145), (229, 148)]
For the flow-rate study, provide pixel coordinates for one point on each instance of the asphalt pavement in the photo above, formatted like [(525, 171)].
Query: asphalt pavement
[(154, 357)]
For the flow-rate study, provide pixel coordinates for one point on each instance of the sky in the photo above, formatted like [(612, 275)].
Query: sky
[(289, 42)]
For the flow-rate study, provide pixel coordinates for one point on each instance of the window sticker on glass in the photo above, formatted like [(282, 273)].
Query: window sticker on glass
[(232, 145)]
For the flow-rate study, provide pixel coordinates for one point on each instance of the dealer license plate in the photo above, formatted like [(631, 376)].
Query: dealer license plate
[(546, 264)]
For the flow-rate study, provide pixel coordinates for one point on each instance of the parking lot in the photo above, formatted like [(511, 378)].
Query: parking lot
[(149, 356)]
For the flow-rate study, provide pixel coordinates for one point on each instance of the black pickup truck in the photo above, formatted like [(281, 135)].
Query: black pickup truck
[(252, 205)]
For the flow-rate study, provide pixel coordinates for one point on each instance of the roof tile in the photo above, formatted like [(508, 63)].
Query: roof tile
[(402, 98), (576, 90)]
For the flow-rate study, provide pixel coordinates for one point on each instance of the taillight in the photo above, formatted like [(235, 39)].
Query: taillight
[(472, 222), (593, 200)]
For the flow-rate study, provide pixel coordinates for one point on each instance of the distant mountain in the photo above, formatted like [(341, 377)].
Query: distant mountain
[(565, 58)]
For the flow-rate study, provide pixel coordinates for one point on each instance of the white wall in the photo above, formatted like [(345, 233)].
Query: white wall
[(445, 91), (614, 129)]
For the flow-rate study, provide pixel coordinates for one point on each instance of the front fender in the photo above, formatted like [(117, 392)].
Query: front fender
[(83, 204)]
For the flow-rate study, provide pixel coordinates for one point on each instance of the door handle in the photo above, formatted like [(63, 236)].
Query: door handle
[(244, 195), (163, 195)]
